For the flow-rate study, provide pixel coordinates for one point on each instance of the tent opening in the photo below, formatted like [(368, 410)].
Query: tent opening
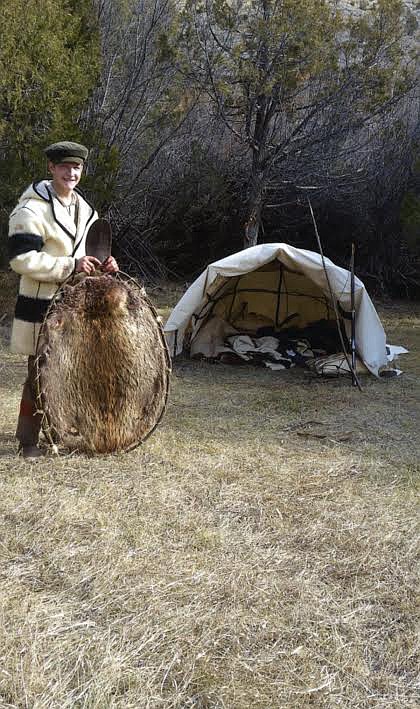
[(272, 316), (271, 296)]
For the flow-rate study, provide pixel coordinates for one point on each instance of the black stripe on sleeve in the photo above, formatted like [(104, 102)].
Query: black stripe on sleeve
[(31, 309), (22, 243)]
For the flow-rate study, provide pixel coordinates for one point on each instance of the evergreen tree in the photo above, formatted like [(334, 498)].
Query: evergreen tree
[(49, 61)]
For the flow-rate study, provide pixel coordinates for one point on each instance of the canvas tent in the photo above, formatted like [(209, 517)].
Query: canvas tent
[(266, 285)]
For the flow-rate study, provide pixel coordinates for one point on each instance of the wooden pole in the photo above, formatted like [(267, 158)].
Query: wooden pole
[(353, 320), (333, 301)]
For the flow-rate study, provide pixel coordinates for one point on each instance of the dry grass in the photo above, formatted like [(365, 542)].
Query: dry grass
[(258, 551)]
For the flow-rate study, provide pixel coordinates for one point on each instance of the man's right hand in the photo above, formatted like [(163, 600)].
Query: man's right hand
[(87, 264)]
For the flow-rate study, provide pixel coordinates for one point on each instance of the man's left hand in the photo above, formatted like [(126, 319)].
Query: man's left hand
[(110, 265)]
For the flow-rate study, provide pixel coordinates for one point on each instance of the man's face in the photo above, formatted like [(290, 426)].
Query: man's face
[(66, 176)]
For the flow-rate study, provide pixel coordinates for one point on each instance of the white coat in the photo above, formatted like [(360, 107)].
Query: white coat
[(44, 243)]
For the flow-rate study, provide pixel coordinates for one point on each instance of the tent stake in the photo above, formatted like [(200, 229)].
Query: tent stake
[(351, 366)]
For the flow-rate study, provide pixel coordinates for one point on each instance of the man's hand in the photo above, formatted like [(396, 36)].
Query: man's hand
[(110, 265), (87, 264)]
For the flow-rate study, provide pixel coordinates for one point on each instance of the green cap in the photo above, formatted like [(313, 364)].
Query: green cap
[(66, 151)]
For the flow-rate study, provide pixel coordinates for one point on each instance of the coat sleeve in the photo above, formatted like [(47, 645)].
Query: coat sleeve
[(26, 255)]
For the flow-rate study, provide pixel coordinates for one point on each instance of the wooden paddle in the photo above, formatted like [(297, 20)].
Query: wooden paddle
[(99, 240)]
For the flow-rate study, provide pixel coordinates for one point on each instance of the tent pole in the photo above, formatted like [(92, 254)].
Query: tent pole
[(276, 323), (337, 317)]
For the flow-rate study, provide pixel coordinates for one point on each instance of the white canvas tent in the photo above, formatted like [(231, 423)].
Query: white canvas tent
[(264, 285)]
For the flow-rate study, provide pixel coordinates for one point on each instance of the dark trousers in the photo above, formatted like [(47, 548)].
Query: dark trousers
[(29, 421)]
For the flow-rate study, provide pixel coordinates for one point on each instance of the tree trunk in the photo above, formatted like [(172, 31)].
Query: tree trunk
[(253, 222), (258, 174), (252, 227)]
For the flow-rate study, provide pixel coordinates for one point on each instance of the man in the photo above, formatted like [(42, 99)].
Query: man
[(47, 235)]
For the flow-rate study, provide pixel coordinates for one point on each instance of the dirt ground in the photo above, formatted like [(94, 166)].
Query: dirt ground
[(260, 550)]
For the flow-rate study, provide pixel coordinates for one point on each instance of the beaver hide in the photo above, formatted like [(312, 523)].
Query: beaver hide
[(103, 366)]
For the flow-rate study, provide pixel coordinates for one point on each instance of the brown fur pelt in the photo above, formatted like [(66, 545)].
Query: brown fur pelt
[(103, 367)]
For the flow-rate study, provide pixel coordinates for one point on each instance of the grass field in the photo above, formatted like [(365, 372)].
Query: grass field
[(259, 551)]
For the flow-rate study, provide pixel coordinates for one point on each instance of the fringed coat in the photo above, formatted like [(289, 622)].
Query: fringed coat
[(44, 243)]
